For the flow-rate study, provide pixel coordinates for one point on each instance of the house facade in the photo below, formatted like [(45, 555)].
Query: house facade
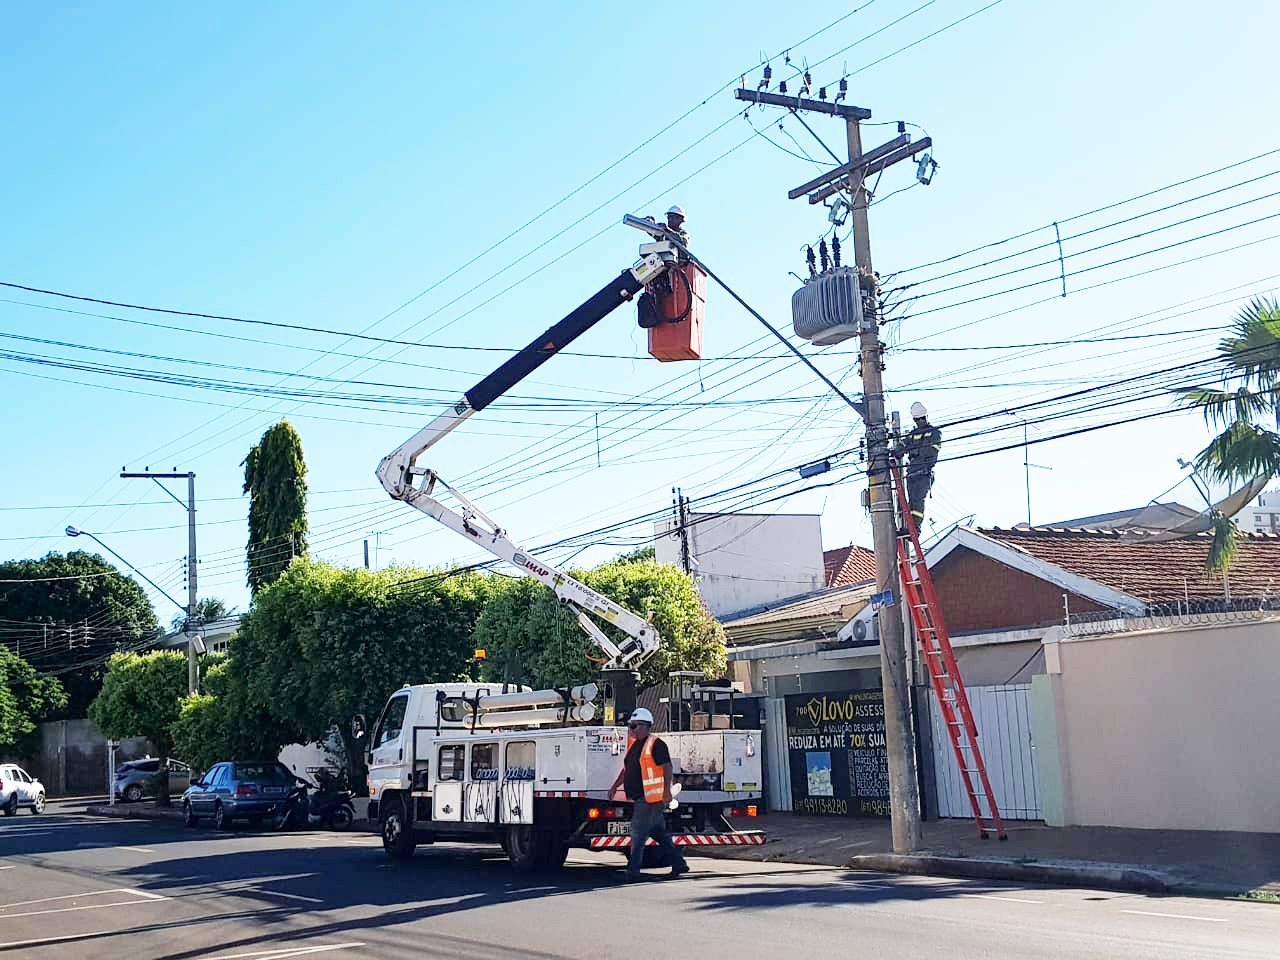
[(1012, 599)]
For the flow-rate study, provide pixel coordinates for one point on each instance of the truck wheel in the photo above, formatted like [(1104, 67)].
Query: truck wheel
[(397, 829), (531, 849)]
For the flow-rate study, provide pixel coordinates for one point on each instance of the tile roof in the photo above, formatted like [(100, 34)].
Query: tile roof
[(1152, 570), (851, 564)]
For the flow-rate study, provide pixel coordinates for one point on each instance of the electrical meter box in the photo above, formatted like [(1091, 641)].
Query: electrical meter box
[(828, 309), (678, 335)]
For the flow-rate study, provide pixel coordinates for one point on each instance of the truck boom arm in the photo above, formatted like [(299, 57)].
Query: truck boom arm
[(399, 472)]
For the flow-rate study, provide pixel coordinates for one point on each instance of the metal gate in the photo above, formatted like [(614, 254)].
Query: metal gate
[(1003, 717)]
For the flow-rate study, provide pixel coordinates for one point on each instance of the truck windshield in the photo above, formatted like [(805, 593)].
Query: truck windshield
[(392, 721)]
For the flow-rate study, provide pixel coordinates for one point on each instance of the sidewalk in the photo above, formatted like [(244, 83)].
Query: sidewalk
[(1153, 861)]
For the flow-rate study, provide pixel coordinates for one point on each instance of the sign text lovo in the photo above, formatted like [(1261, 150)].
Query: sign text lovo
[(825, 710)]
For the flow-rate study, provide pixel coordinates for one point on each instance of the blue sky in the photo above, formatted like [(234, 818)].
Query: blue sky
[(306, 164)]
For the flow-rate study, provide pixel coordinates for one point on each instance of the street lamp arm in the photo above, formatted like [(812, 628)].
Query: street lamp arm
[(73, 532)]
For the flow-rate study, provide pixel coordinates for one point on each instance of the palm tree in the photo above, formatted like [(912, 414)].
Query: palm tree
[(209, 608), (1244, 409)]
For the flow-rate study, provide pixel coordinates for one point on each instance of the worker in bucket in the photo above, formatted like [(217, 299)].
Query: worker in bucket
[(646, 777), (920, 447), (675, 223)]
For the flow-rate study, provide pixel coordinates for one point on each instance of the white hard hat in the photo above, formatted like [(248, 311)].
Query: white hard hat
[(642, 715), (918, 411), (677, 210)]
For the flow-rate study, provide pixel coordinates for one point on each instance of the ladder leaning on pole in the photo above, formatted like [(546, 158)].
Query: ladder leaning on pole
[(922, 600)]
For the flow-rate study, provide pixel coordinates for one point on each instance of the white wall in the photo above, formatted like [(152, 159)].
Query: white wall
[(1170, 728), (743, 560)]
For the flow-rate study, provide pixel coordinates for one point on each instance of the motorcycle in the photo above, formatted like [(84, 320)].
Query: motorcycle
[(328, 807)]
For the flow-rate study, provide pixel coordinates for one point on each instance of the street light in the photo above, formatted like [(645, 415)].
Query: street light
[(73, 532)]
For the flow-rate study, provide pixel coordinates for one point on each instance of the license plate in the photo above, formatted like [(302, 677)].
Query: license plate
[(619, 828), (273, 791)]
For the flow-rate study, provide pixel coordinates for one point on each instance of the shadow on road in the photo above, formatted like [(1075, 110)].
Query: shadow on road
[(300, 885)]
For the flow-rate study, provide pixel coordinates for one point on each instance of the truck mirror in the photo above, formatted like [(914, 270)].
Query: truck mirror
[(358, 727)]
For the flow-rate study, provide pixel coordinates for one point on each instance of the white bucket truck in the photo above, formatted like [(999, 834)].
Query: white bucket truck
[(532, 769)]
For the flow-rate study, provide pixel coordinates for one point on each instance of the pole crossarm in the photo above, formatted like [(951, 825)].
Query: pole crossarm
[(846, 110), (852, 166), (875, 166)]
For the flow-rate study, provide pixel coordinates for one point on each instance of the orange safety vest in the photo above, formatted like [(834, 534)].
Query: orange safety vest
[(651, 777)]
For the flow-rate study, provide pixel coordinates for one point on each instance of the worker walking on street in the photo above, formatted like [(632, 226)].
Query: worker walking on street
[(921, 447), (647, 778)]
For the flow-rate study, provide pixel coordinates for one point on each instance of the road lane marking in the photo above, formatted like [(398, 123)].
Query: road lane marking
[(92, 906), (137, 849), (10, 867), (77, 896), (142, 893), (286, 952), (68, 936), (289, 896), (991, 896), (1176, 916)]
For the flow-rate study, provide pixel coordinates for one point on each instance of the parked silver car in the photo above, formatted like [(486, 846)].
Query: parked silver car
[(136, 779), (19, 789)]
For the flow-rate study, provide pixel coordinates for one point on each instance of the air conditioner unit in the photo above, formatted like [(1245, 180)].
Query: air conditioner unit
[(862, 631), (828, 309)]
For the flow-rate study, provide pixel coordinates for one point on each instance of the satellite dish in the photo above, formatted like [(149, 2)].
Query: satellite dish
[(1203, 522)]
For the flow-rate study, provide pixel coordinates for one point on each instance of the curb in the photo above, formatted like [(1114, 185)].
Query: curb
[(133, 811), (1127, 879)]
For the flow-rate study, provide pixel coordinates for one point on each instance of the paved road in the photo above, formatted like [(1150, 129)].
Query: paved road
[(79, 887)]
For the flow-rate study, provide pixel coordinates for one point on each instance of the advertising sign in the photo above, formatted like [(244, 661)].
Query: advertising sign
[(836, 750)]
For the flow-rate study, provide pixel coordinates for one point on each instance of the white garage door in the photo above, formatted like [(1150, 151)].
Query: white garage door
[(1003, 718)]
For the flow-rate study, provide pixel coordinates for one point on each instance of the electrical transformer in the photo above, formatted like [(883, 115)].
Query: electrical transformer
[(828, 308)]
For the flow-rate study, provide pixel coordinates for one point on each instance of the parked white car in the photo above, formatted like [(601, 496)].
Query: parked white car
[(19, 789)]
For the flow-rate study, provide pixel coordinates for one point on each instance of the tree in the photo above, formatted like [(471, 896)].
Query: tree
[(208, 608), (26, 697), (275, 477), (1246, 411), (322, 643), (75, 611), (205, 731), (527, 632), (636, 555), (140, 698)]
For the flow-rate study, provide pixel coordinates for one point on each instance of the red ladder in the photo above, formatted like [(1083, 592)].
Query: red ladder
[(922, 600)]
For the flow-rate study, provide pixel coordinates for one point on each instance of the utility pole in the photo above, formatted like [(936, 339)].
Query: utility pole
[(193, 597), (904, 798)]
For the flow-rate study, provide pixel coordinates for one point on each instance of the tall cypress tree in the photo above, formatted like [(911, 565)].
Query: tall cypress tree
[(275, 477)]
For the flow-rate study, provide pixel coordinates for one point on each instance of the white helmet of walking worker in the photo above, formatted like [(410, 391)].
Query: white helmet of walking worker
[(918, 412), (642, 715), (677, 210)]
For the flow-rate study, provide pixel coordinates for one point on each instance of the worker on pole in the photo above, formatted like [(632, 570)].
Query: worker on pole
[(920, 447), (646, 776)]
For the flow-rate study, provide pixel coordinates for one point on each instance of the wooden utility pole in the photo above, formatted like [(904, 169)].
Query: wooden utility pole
[(904, 796)]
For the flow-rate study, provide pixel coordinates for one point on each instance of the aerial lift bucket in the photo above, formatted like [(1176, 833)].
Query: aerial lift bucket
[(679, 305)]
